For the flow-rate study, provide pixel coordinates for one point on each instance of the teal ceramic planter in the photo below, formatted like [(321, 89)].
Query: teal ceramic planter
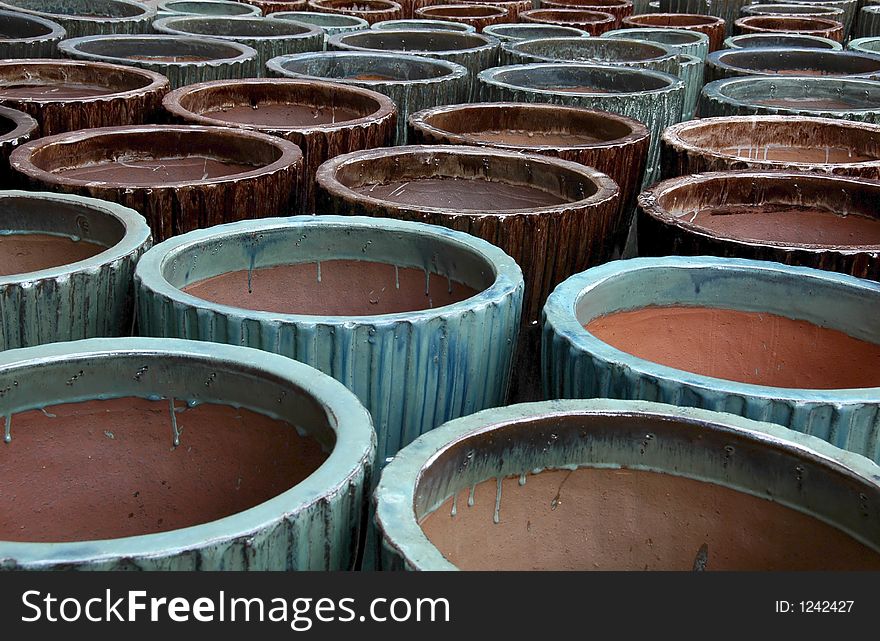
[(869, 22), (88, 17), (425, 25), (679, 41), (783, 40), (62, 301), (636, 54), (691, 72), (331, 23), (207, 8), (16, 128), (770, 61), (29, 36), (511, 489), (514, 32), (577, 364), (312, 524), (865, 45), (413, 369)]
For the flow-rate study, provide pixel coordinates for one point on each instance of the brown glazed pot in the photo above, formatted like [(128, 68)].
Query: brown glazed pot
[(370, 10), (251, 175), (593, 22), (479, 16), (796, 218), (64, 95), (795, 143), (710, 25), (803, 25), (514, 7), (271, 6), (16, 128), (324, 119), (620, 9)]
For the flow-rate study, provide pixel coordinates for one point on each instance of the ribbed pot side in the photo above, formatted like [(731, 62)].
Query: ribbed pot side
[(91, 292), (332, 119), (838, 230), (577, 364), (413, 83), (16, 128), (87, 17), (413, 366), (101, 95), (295, 523), (29, 36), (255, 176), (869, 22)]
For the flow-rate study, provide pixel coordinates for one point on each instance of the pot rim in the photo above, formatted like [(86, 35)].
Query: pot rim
[(172, 104), (20, 160), (698, 19), (488, 43), (420, 120), (493, 28), (672, 136), (380, 6), (571, 4), (25, 124), (491, 11), (355, 441), (717, 59), (490, 76), (805, 9), (162, 26), (820, 25), (455, 70), (136, 234), (559, 311), (56, 31), (325, 177), (395, 494), (163, 6), (716, 89), (149, 272), (648, 202), (856, 44), (156, 81), (413, 24), (835, 46), (598, 17), (146, 12), (345, 20), (515, 47), (698, 37), (70, 47)]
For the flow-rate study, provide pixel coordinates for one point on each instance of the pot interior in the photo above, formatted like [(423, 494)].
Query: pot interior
[(57, 80), (241, 27), (15, 27), (358, 6), (531, 31), (772, 40), (568, 16), (639, 492), (463, 11), (581, 79), (800, 62), (365, 67), (592, 50), (324, 272), (96, 457), (319, 19), (672, 20), (81, 8), (787, 23), (872, 46), (793, 10), (209, 8), (170, 49), (796, 93), (405, 41), (431, 25), (663, 36)]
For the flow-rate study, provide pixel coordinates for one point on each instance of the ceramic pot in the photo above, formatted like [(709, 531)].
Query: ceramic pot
[(331, 23), (772, 142), (691, 70), (88, 17), (16, 128), (729, 63), (184, 60), (370, 10), (604, 51), (413, 83), (796, 218), (678, 41), (869, 22), (67, 267), (530, 31), (865, 45), (798, 379), (28, 36), (831, 29), (269, 7), (712, 26), (323, 119), (264, 462), (850, 9), (64, 95), (418, 321), (843, 98), (226, 8), (513, 7), (780, 40), (593, 22), (478, 16), (620, 9), (524, 487), (179, 178), (801, 10), (410, 24), (727, 10)]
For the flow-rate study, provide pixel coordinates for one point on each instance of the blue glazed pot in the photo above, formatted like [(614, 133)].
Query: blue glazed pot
[(313, 525), (413, 370), (576, 364)]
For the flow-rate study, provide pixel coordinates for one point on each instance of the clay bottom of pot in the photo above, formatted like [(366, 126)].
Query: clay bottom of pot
[(531, 137), (809, 103), (332, 288), (748, 347), (819, 154), (284, 115), (22, 253), (152, 171), (606, 519), (461, 194), (108, 469)]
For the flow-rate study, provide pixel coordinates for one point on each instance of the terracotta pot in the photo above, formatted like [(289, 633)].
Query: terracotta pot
[(530, 31), (86, 17), (712, 26), (411, 24), (370, 10), (650, 97), (602, 485), (772, 142), (323, 119), (416, 357), (140, 411), (831, 29), (794, 218), (331, 23), (850, 9), (28, 36), (593, 22), (94, 94), (513, 7), (869, 22), (798, 10), (182, 59), (727, 10), (413, 83), (678, 41), (691, 70), (16, 128), (275, 6), (844, 98), (730, 63), (473, 51), (780, 40), (270, 38), (208, 8), (478, 16), (225, 175), (604, 51), (67, 267), (620, 9)]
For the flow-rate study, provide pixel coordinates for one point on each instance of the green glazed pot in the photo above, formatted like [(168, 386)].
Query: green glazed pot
[(692, 43), (777, 40), (331, 23), (636, 54), (88, 17), (29, 36), (207, 8)]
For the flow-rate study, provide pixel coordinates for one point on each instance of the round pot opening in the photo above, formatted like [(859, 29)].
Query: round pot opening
[(581, 79), (14, 125), (796, 62), (578, 17), (533, 31), (209, 8), (773, 40), (224, 27), (669, 36), (85, 9), (819, 94), (330, 20), (603, 50), (462, 11), (413, 41), (672, 20), (790, 24), (362, 67), (430, 25), (62, 80), (23, 27), (157, 48)]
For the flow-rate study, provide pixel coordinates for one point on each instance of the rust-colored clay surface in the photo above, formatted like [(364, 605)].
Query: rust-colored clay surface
[(108, 469), (749, 347), (21, 253), (607, 519), (593, 22), (283, 115), (461, 194), (148, 172)]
